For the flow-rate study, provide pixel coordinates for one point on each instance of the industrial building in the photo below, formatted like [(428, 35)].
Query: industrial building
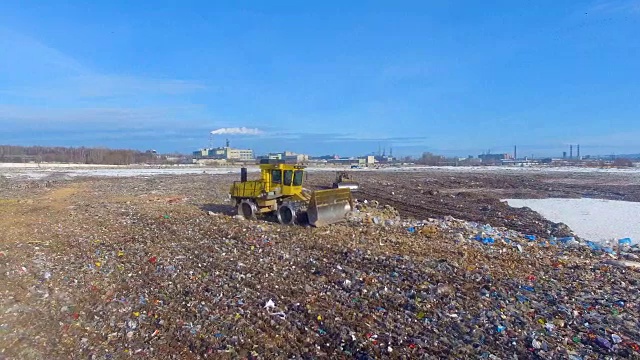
[(382, 157), (494, 158), (288, 156), (346, 161), (369, 159), (226, 153), (361, 161)]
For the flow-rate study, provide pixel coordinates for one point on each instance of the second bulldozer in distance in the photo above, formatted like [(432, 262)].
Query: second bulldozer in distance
[(345, 180)]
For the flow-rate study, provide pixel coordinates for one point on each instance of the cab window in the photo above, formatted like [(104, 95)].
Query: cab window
[(288, 177), (276, 176), (297, 178)]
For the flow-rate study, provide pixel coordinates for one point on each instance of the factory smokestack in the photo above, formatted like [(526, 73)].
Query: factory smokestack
[(570, 151), (579, 158), (515, 152)]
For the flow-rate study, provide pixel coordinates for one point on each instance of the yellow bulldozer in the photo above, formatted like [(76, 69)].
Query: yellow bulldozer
[(279, 192)]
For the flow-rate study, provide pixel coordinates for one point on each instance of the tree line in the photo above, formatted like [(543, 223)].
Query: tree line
[(81, 155)]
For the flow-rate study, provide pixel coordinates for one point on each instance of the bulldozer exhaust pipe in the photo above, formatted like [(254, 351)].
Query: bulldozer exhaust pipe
[(243, 174)]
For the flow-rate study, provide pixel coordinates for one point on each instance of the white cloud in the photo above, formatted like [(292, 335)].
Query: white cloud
[(102, 86), (15, 116), (615, 6), (33, 69), (237, 131), (27, 54)]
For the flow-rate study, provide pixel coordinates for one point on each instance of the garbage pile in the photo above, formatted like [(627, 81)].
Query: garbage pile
[(371, 212), (171, 281)]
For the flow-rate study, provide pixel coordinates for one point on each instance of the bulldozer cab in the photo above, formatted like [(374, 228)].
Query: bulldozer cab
[(342, 176), (277, 180), (288, 178)]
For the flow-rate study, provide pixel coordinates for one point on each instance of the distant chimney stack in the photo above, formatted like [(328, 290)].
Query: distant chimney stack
[(227, 143), (579, 158), (570, 151), (515, 152)]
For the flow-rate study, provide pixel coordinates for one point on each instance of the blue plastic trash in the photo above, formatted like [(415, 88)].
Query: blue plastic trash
[(625, 241), (530, 237), (411, 229), (593, 246), (603, 343), (528, 288), (565, 240), (488, 241)]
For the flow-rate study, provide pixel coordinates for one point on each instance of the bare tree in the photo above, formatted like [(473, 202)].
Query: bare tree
[(83, 155)]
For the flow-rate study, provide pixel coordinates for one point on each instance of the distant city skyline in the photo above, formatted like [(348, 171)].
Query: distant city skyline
[(453, 78), (221, 142), (388, 151)]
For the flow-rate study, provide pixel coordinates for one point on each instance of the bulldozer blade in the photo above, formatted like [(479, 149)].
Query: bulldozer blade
[(354, 186), (329, 206)]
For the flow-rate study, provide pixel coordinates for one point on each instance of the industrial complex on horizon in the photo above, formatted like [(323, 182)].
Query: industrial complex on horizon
[(227, 154)]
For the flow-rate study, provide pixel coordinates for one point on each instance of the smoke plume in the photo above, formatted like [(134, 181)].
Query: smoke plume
[(237, 131)]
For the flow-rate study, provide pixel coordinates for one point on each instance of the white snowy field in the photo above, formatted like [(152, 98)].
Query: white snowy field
[(591, 219), (38, 171), (533, 169), (50, 166)]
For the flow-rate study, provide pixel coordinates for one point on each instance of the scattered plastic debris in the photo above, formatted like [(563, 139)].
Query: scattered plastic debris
[(124, 283)]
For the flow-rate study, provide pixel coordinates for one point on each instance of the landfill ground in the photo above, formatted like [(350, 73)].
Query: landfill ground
[(159, 268)]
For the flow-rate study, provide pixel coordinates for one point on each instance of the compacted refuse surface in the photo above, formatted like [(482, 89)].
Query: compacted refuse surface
[(160, 268)]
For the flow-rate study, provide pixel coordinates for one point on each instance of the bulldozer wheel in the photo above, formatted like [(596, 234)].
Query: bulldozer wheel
[(286, 215), (248, 209)]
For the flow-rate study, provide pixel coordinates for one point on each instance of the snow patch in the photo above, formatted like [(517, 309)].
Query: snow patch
[(591, 219)]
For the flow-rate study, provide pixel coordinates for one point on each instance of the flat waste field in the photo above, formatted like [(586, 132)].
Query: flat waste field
[(431, 264)]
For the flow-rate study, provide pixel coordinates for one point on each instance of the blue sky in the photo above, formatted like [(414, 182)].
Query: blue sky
[(343, 77)]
